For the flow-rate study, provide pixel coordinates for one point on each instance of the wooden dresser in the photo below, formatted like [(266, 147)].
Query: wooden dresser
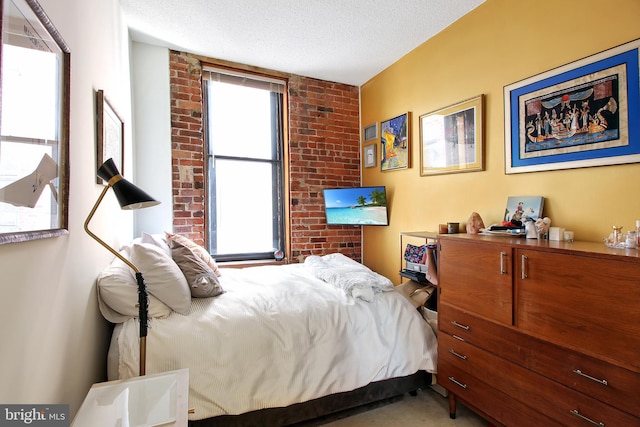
[(540, 333)]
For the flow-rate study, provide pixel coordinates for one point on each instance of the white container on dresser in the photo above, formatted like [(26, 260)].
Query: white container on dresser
[(540, 332)]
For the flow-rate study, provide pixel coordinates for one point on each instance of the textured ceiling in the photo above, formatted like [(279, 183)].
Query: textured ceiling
[(345, 41)]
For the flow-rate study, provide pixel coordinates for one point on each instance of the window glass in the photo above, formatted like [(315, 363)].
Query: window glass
[(244, 207), (240, 123), (244, 141), (29, 93)]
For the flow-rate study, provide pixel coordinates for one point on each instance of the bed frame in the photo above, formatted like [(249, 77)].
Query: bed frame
[(322, 406)]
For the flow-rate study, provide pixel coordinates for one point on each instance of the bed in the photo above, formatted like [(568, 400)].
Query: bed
[(276, 344)]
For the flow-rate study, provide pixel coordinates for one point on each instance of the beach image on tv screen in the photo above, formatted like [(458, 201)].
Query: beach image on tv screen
[(356, 206)]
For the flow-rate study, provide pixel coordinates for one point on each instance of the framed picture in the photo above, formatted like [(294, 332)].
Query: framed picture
[(110, 132), (451, 138), (369, 133), (370, 156), (522, 208), (578, 115), (395, 140)]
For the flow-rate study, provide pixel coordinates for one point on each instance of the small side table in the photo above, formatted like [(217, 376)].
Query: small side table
[(415, 237), (150, 400)]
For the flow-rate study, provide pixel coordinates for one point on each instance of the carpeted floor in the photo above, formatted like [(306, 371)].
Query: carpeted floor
[(427, 409)]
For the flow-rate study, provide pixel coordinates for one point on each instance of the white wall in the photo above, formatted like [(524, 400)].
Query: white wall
[(54, 339), (152, 120)]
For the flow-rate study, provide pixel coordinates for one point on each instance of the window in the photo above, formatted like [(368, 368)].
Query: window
[(244, 136)]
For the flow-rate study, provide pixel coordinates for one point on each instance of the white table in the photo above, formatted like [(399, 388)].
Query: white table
[(150, 400)]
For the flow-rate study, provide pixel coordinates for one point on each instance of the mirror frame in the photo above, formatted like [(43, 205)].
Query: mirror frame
[(63, 144)]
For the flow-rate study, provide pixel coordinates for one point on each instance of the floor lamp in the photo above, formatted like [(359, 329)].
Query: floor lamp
[(129, 197)]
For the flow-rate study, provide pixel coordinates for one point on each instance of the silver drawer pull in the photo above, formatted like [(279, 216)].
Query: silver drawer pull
[(598, 380), (503, 256), (458, 338), (459, 325), (579, 415), (456, 382), (524, 267), (458, 355)]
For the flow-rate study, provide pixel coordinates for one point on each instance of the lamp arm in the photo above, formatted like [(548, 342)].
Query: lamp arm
[(99, 240), (143, 296)]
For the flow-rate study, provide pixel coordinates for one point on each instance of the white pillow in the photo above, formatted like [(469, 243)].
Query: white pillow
[(163, 277), (156, 239), (118, 293)]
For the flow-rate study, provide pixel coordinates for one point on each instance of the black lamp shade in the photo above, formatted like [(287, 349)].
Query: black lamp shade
[(129, 196)]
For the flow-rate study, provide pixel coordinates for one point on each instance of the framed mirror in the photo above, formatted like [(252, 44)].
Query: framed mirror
[(34, 125)]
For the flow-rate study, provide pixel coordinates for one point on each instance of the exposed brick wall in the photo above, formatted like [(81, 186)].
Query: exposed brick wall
[(324, 151), (187, 146)]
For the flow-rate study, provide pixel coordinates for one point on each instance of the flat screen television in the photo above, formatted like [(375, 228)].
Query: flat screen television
[(356, 206)]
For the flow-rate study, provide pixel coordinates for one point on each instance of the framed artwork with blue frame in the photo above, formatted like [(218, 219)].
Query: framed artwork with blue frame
[(579, 115)]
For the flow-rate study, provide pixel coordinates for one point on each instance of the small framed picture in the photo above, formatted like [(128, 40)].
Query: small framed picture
[(110, 134), (523, 208), (370, 156), (395, 142), (369, 133)]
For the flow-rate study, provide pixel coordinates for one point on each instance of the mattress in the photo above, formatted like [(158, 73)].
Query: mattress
[(279, 335)]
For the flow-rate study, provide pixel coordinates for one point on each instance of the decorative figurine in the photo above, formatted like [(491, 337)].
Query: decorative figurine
[(542, 226), (474, 224)]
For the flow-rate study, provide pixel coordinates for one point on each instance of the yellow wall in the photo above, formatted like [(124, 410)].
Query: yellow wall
[(498, 43)]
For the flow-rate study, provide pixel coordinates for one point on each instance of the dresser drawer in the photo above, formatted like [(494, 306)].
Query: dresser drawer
[(554, 400), (471, 328), (468, 327), (612, 384), (499, 406)]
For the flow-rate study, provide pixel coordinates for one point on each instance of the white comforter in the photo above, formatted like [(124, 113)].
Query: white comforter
[(344, 273), (278, 336)]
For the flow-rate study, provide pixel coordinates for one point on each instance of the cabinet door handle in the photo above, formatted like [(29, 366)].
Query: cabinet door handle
[(456, 382), (460, 325), (579, 415), (598, 380), (458, 355), (524, 266), (503, 257)]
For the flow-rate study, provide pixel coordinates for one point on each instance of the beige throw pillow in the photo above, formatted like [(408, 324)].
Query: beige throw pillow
[(203, 282), (201, 252)]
